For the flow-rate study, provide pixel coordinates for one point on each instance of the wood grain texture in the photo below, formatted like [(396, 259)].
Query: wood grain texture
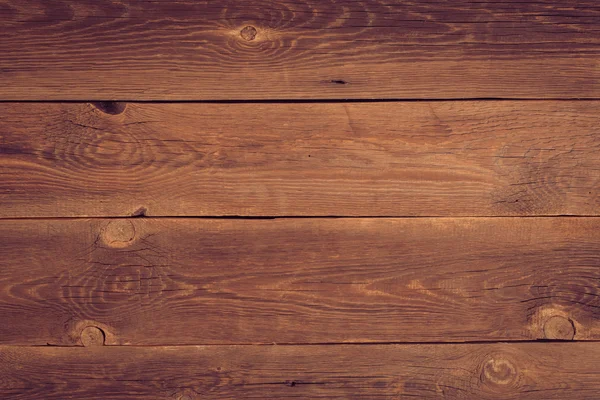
[(289, 49), (473, 158), (524, 371), (144, 281)]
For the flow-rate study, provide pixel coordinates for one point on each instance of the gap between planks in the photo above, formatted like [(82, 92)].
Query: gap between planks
[(305, 101), (291, 217), (393, 343)]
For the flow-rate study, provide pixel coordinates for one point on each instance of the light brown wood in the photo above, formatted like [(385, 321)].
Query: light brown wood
[(289, 49), (524, 371), (357, 159), (144, 281)]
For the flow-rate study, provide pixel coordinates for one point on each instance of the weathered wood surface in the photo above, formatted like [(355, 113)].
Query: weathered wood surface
[(468, 158), (289, 49), (201, 281), (527, 371)]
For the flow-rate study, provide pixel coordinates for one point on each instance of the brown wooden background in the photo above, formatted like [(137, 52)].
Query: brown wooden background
[(299, 199)]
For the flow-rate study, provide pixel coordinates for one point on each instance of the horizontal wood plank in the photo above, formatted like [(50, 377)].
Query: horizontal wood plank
[(145, 281), (286, 49), (473, 158), (526, 371)]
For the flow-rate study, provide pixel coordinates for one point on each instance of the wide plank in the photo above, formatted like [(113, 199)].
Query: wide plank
[(144, 281), (463, 158), (289, 49), (529, 371)]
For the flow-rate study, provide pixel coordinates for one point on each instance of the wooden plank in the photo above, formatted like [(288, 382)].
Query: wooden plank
[(474, 158), (196, 281), (286, 49), (492, 371)]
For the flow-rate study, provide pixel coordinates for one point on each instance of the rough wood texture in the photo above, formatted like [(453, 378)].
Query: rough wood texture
[(289, 49), (524, 371), (192, 281), (367, 159)]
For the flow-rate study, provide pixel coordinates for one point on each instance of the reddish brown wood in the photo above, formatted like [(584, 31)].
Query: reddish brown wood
[(195, 281), (374, 307), (290, 49), (524, 371), (361, 159)]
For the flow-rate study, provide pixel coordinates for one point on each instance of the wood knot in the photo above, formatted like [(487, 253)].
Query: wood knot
[(92, 336), (559, 328), (499, 371), (110, 107), (248, 33), (119, 233)]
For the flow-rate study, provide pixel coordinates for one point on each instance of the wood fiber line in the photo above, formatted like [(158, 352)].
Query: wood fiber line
[(289, 49), (524, 371), (472, 158), (191, 281)]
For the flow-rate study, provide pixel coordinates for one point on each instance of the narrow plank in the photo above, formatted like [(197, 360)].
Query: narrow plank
[(492, 371), (289, 49), (473, 158), (144, 281)]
